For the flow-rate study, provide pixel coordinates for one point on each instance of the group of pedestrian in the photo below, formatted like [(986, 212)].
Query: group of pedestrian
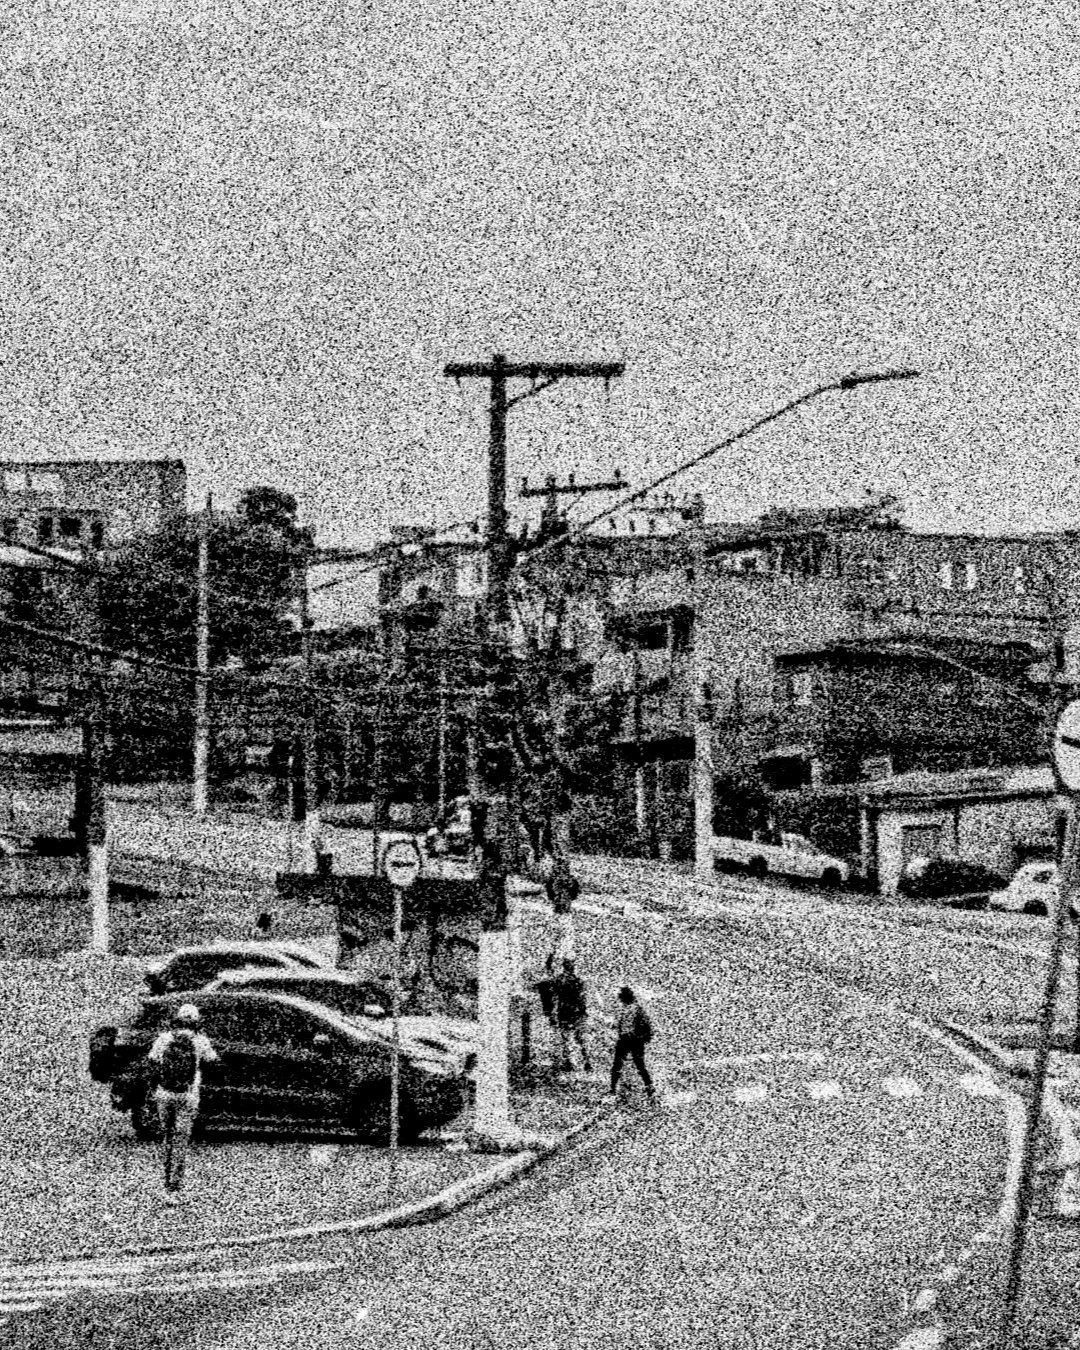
[(564, 1002)]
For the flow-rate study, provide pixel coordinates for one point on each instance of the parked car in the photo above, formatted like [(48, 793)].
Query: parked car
[(195, 967), (289, 1063), (1033, 889), (351, 997), (964, 885), (792, 856)]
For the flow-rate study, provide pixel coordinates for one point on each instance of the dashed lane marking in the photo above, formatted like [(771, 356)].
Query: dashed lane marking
[(823, 1089), (901, 1087), (750, 1092), (978, 1085)]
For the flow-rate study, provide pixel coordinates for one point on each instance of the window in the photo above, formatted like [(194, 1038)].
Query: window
[(45, 529), (11, 528), (945, 576), (871, 571), (971, 576), (1020, 579), (70, 527), (14, 481), (97, 533), (802, 687), (46, 482)]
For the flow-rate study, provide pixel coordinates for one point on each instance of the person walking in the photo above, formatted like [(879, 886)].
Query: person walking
[(633, 1032), (177, 1057), (572, 1014), (545, 992)]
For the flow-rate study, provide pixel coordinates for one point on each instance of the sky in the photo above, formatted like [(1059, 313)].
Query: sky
[(251, 235)]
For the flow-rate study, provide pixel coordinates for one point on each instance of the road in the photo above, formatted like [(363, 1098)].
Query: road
[(814, 1160)]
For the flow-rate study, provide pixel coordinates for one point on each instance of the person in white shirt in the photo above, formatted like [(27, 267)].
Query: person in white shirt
[(178, 1056)]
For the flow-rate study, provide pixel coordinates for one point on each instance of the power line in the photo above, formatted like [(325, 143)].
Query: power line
[(844, 383)]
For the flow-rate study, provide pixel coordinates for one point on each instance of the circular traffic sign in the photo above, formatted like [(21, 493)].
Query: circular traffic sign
[(401, 862), (1067, 747)]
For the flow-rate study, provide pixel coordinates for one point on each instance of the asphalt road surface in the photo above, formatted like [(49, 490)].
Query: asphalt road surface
[(812, 1158)]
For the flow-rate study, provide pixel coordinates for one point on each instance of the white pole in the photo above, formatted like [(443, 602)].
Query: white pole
[(492, 1116), (98, 885), (395, 1052), (202, 665)]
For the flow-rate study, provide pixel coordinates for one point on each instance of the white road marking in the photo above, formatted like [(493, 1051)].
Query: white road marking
[(901, 1087), (750, 1092), (823, 1088), (33, 1291), (978, 1085), (759, 1057), (322, 1155), (680, 1098)]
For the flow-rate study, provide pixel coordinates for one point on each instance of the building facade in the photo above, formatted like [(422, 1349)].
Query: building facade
[(67, 503)]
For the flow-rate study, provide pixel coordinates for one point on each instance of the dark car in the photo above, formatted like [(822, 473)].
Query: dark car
[(965, 885), (286, 1062), (195, 967)]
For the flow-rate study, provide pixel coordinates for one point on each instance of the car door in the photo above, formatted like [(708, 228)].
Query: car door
[(225, 1094), (291, 1065)]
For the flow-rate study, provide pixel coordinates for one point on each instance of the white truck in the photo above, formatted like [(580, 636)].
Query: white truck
[(793, 856)]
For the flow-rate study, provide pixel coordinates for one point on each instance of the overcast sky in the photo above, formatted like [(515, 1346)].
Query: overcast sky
[(251, 234)]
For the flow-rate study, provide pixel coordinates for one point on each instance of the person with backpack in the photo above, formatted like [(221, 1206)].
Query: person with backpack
[(177, 1057), (633, 1032), (571, 1014)]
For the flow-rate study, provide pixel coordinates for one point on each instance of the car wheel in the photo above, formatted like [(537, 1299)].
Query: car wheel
[(369, 1117), (830, 877), (757, 867), (144, 1118)]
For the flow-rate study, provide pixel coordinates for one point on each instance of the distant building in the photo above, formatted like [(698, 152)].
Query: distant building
[(65, 503), (825, 642)]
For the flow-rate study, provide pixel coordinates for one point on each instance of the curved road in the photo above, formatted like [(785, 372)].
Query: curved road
[(813, 1160)]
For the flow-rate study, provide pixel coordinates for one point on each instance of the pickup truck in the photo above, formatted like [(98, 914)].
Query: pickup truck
[(793, 856)]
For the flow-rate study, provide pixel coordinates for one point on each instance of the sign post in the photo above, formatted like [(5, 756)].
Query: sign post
[(1067, 766), (401, 867)]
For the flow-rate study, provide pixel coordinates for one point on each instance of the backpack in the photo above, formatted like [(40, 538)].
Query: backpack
[(179, 1063), (642, 1025), (570, 993)]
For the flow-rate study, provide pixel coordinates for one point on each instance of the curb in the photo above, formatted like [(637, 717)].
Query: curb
[(427, 1209)]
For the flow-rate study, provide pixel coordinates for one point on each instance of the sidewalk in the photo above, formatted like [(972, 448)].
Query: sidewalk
[(76, 1183)]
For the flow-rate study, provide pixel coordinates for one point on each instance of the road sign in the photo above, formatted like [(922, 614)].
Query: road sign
[(401, 863), (1067, 747)]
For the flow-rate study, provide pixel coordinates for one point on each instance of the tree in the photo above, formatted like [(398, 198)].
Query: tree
[(149, 605), (255, 561)]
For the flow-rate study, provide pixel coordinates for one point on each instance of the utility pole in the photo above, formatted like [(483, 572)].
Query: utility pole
[(308, 814), (551, 523), (553, 490), (541, 375), (202, 666), (492, 1095)]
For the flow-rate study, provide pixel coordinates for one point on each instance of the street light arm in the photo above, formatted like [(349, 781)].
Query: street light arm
[(845, 383)]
